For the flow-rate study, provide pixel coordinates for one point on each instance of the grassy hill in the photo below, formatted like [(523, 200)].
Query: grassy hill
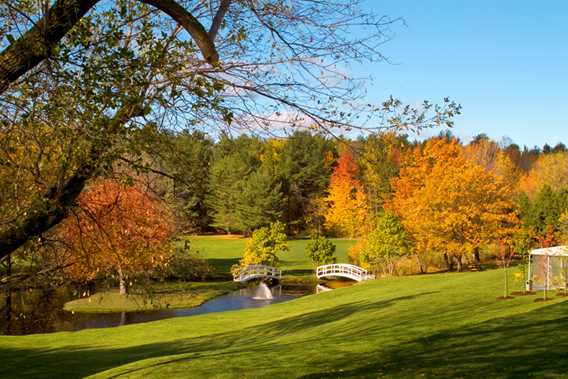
[(431, 325)]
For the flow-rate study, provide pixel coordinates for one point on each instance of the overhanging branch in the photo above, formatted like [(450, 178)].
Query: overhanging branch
[(37, 43)]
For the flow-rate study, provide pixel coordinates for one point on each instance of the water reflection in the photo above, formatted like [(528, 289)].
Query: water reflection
[(41, 311), (37, 311)]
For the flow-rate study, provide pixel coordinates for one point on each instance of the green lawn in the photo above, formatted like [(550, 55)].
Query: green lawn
[(223, 252), (155, 296), (447, 325)]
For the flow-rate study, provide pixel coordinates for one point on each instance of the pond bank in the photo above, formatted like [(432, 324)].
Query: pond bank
[(169, 295)]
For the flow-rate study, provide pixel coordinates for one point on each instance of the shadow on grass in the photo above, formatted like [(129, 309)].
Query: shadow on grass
[(80, 361), (527, 345), (530, 344), (222, 266)]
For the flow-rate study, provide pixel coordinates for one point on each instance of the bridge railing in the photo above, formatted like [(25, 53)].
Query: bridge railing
[(257, 271), (344, 269)]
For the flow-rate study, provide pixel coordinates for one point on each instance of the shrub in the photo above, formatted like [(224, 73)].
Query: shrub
[(321, 250), (185, 264), (385, 244), (265, 245)]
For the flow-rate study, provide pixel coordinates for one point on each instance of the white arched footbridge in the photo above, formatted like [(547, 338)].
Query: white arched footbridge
[(344, 270), (251, 272)]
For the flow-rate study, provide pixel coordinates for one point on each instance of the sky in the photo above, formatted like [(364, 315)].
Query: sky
[(505, 62)]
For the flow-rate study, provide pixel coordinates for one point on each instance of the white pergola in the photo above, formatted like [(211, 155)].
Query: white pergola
[(548, 268)]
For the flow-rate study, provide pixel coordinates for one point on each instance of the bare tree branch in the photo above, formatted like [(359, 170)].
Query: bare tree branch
[(218, 19)]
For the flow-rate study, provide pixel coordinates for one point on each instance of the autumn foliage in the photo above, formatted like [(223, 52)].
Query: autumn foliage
[(118, 231), (347, 203), (549, 170), (450, 204)]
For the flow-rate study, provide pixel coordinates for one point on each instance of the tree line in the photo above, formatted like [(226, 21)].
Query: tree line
[(432, 199), (437, 202)]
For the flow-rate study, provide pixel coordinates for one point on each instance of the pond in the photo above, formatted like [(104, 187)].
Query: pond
[(41, 311)]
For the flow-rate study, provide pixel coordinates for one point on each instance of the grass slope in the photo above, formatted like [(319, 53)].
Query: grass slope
[(431, 325), (223, 252)]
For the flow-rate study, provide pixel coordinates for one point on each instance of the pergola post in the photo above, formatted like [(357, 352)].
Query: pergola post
[(547, 282), (529, 278)]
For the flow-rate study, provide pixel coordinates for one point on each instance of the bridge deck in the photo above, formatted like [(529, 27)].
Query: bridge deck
[(251, 272), (344, 270)]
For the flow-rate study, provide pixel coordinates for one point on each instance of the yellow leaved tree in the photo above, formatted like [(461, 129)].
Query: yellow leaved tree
[(450, 204), (549, 169)]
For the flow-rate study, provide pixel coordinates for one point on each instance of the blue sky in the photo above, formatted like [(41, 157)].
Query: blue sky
[(506, 62)]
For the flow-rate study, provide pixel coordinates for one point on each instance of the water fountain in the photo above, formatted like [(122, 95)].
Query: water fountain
[(262, 292)]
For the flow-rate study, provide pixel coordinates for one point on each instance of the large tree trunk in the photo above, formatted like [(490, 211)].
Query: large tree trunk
[(37, 43), (53, 206), (35, 46), (47, 212)]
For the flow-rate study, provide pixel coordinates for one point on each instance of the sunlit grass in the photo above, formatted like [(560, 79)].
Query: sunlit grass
[(222, 252), (442, 325)]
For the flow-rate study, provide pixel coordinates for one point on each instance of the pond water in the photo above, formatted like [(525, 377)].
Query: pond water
[(41, 311)]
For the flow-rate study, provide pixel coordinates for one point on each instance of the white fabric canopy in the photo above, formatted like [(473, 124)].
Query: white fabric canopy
[(555, 251)]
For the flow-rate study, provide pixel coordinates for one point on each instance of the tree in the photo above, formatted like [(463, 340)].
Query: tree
[(225, 179), (82, 126), (549, 170), (260, 201), (541, 216), (245, 193), (120, 230), (380, 163), (483, 151), (347, 204), (188, 160), (505, 254), (321, 250), (387, 242), (234, 160), (306, 165), (138, 71), (265, 245), (451, 205)]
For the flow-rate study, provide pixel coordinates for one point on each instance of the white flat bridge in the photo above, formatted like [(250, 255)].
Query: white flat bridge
[(344, 270), (251, 272)]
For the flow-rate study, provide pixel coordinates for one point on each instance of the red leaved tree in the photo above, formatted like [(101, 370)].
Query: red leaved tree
[(118, 231)]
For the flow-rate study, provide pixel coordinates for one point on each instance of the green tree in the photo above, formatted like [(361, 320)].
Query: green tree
[(245, 194), (541, 216), (259, 201), (265, 245), (226, 178), (380, 163), (189, 163), (306, 167), (387, 242), (321, 250)]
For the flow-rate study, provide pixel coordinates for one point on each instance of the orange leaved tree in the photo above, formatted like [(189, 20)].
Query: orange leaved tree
[(118, 231), (347, 205), (450, 204)]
